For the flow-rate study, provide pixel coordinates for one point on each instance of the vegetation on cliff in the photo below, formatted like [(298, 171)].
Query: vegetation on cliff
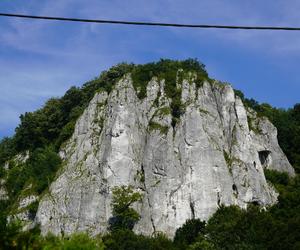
[(229, 228), (124, 217), (42, 133)]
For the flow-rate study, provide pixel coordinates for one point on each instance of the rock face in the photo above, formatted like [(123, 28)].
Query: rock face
[(214, 155)]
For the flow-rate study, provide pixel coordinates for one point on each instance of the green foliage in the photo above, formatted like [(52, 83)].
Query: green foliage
[(276, 177), (288, 206), (189, 232), (15, 180), (39, 170), (229, 228), (227, 158), (167, 70), (253, 125), (34, 241), (276, 228), (156, 126), (32, 208), (176, 106), (54, 123), (124, 217), (222, 225), (79, 241), (41, 167), (201, 244), (140, 176), (163, 111), (126, 239), (65, 133), (2, 172), (7, 150), (29, 239), (239, 93), (234, 228), (8, 231)]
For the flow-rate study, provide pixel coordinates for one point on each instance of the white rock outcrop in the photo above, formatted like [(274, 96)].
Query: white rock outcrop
[(209, 158)]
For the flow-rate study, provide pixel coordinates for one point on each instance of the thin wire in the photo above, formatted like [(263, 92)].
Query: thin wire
[(177, 25)]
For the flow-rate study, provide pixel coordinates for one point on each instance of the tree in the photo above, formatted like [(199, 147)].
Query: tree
[(39, 170), (8, 231), (188, 233), (126, 239), (124, 217), (222, 227), (7, 150)]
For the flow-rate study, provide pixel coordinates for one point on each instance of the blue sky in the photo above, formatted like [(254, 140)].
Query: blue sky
[(42, 59)]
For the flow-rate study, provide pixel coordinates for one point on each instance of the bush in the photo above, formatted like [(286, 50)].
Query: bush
[(189, 232), (276, 177), (167, 70), (124, 217), (8, 232), (126, 239), (201, 244), (81, 242), (39, 170), (7, 150), (221, 227)]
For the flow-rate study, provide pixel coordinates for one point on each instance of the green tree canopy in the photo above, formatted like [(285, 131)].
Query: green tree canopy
[(124, 216)]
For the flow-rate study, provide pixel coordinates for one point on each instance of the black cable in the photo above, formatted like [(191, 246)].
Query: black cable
[(204, 26)]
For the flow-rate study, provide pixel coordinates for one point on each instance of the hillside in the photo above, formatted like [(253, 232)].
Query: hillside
[(188, 144)]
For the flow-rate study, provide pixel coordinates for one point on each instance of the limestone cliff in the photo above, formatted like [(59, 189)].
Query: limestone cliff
[(214, 154)]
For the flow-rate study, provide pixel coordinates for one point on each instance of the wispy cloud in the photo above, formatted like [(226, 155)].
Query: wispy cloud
[(39, 59)]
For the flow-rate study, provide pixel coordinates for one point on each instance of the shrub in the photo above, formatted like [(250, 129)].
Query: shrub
[(276, 177), (39, 170), (188, 233), (126, 239), (124, 217)]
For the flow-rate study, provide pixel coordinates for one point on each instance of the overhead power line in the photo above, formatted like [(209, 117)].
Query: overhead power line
[(177, 25)]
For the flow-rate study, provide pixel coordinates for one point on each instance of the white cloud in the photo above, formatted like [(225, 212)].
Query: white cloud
[(47, 57)]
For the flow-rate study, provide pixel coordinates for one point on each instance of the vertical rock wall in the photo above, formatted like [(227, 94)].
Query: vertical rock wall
[(210, 157)]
